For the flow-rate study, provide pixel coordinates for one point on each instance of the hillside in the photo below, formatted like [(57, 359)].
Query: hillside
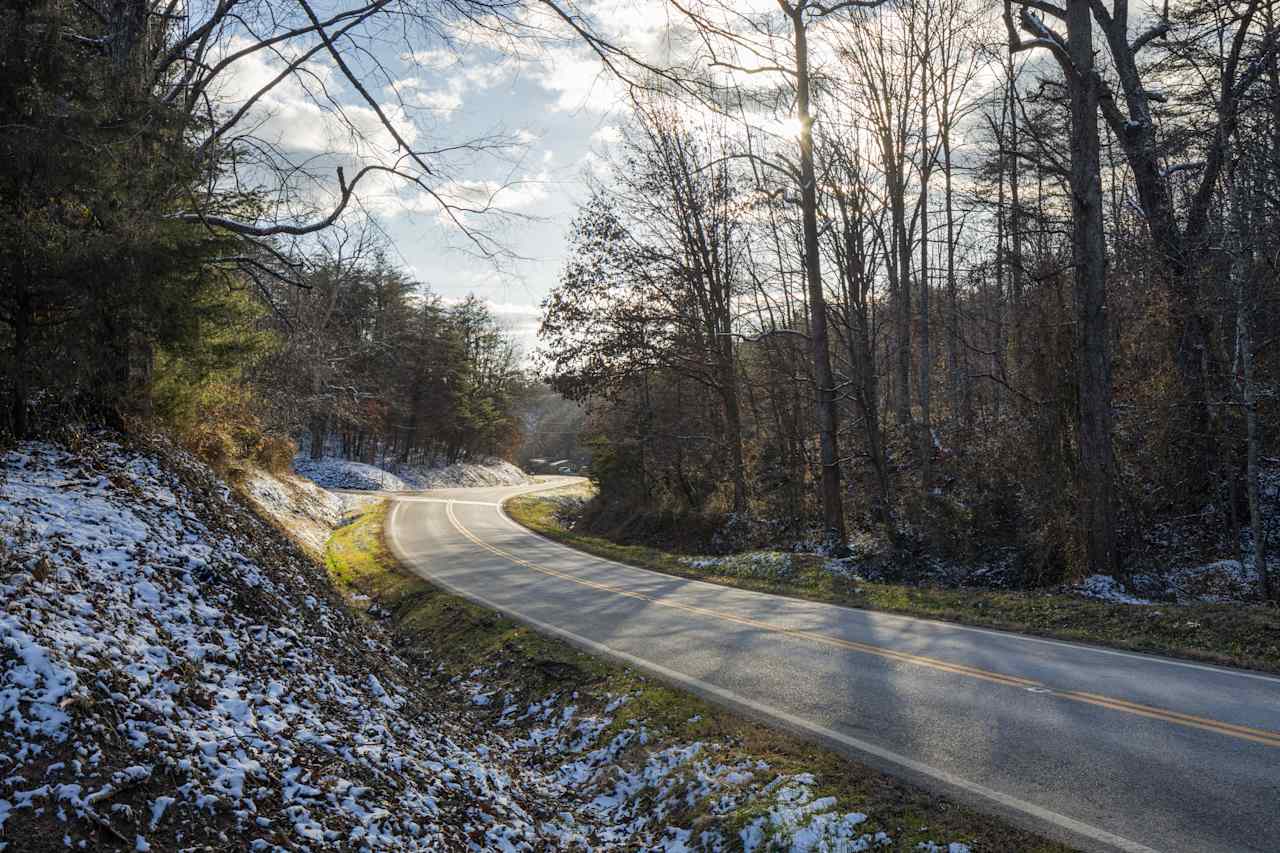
[(335, 473), (175, 674)]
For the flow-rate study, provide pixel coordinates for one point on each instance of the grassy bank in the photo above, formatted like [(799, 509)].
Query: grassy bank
[(1229, 634), (455, 640)]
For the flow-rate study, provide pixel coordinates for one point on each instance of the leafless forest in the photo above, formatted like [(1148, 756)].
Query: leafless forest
[(949, 278)]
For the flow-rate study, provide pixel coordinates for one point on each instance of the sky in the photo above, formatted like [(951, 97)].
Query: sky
[(565, 126), (542, 105), (557, 102)]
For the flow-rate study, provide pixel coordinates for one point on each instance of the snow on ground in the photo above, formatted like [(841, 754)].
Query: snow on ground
[(488, 472), (334, 473), (1107, 588), (774, 565), (175, 674), (307, 511), (1219, 581)]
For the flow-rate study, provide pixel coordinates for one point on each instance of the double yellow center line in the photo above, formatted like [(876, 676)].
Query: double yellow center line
[(1229, 729)]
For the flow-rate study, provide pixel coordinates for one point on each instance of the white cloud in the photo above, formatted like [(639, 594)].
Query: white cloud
[(578, 81), (501, 309), (440, 100), (486, 75), (471, 198), (607, 134), (287, 115), (597, 166), (399, 87), (516, 196)]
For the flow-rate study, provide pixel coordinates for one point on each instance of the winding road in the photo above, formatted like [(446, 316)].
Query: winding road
[(1102, 749)]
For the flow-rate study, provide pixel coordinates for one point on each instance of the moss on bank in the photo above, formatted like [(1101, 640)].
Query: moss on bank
[(1241, 635), (454, 638)]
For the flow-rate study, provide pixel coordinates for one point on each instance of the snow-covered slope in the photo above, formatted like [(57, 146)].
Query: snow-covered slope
[(174, 674), (490, 472), (308, 512), (333, 473)]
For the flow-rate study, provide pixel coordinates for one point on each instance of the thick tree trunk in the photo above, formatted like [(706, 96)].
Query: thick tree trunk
[(1014, 296), (1089, 257), (857, 283), (824, 378), (998, 307), (1242, 274), (1252, 472), (926, 343), (903, 353), (957, 376), (866, 398), (111, 387)]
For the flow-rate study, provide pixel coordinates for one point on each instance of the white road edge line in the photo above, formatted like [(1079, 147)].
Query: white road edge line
[(1008, 801), (413, 499), (898, 617)]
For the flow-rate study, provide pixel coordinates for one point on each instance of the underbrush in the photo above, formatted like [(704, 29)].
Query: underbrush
[(220, 423)]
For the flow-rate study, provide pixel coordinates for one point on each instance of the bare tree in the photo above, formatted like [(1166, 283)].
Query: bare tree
[(1074, 53), (858, 246), (884, 82), (1237, 56), (741, 33)]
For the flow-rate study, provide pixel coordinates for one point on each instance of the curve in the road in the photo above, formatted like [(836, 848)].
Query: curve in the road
[(1228, 729), (632, 615)]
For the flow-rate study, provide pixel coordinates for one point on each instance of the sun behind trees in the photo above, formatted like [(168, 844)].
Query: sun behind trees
[(1085, 407)]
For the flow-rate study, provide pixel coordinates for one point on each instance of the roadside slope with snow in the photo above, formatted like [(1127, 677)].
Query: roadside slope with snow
[(333, 473), (174, 674)]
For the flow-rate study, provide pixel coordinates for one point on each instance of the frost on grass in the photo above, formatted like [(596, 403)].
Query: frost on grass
[(173, 674)]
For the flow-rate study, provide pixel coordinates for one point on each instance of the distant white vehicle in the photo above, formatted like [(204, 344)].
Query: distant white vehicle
[(566, 469)]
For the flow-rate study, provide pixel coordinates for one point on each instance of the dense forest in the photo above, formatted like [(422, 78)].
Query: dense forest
[(942, 279), (164, 262)]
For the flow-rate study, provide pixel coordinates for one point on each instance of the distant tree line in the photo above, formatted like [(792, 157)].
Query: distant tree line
[(374, 366), (967, 284)]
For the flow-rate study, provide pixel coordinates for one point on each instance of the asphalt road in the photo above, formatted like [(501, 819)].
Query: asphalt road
[(1103, 749)]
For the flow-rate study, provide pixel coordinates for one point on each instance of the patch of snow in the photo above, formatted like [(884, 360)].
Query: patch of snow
[(1219, 581), (1107, 588), (487, 472), (799, 822), (306, 511), (753, 564), (333, 473)]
